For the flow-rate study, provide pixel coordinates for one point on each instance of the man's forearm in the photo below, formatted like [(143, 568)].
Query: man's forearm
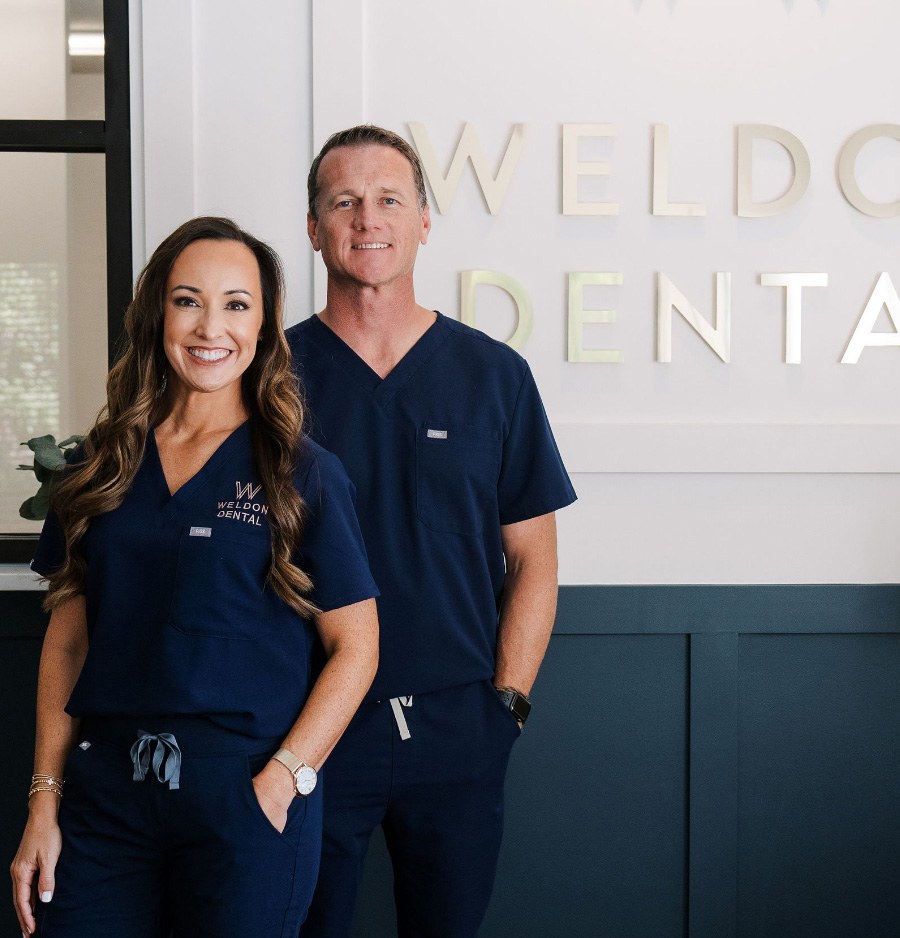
[(529, 602)]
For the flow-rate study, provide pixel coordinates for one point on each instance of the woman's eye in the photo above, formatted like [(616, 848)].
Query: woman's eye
[(185, 301), (237, 304)]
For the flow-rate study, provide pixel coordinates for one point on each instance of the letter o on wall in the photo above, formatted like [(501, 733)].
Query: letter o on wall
[(847, 171)]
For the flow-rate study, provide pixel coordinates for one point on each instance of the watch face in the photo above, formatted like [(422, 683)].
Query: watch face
[(304, 780)]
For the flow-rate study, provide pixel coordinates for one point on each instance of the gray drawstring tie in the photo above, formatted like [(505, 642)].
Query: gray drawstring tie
[(164, 748), (397, 705)]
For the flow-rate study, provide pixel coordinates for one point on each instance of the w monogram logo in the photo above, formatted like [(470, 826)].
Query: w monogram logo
[(248, 491)]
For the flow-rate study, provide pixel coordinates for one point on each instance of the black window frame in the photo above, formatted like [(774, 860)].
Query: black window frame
[(112, 137)]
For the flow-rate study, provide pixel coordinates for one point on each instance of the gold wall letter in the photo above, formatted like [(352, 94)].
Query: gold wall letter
[(883, 296), (847, 171), (669, 297), (470, 279), (572, 169), (493, 188), (661, 203), (746, 134), (793, 289), (578, 316)]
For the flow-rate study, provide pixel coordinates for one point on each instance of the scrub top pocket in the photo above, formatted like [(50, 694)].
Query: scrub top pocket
[(219, 585), (457, 468)]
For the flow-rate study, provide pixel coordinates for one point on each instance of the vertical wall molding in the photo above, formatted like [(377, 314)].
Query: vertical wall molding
[(167, 118), (713, 786), (338, 82)]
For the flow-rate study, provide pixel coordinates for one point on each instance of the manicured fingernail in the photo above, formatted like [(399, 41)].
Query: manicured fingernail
[(46, 896)]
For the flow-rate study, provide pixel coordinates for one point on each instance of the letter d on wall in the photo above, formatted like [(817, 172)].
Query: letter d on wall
[(470, 279), (746, 134)]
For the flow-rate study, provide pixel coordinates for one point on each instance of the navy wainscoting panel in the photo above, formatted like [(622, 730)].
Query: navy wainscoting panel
[(819, 786), (701, 762)]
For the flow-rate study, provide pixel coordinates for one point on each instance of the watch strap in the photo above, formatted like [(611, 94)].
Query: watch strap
[(289, 760), (305, 775), (518, 704)]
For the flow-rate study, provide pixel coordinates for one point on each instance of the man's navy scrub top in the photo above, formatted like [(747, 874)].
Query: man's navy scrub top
[(451, 445), (180, 617)]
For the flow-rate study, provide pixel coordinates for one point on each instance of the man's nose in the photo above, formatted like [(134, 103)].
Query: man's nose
[(366, 215)]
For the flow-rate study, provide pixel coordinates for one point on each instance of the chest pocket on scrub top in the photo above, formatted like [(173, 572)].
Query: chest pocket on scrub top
[(219, 584), (457, 468)]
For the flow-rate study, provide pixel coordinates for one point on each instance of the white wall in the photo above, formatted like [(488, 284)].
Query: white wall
[(692, 471), (222, 107)]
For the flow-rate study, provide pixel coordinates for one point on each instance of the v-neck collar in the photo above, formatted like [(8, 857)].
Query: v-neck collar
[(397, 378), (202, 475)]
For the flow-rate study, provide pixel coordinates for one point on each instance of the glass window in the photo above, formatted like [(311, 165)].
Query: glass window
[(51, 60), (53, 310)]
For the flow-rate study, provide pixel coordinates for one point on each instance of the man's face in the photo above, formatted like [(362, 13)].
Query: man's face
[(369, 226)]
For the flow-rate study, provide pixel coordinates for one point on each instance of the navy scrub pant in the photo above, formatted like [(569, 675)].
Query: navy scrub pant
[(141, 859), (438, 796)]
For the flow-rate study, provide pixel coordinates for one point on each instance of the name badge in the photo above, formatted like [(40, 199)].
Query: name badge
[(436, 434), (200, 532)]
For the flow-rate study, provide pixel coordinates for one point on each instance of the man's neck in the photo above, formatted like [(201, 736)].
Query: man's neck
[(381, 328)]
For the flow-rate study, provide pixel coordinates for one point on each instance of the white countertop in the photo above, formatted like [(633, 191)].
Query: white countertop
[(19, 576)]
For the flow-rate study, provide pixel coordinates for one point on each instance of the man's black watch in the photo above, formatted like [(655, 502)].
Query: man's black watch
[(519, 705)]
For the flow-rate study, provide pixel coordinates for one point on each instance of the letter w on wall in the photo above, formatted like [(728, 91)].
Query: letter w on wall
[(493, 188)]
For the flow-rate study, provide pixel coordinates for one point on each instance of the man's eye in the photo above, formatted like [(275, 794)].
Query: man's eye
[(344, 203), (390, 201)]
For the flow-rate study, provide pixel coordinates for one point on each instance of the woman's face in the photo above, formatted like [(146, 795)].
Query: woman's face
[(213, 316)]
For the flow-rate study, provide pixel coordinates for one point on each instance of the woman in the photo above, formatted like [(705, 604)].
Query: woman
[(200, 554)]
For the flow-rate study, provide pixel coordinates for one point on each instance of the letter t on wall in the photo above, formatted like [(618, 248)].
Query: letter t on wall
[(793, 284)]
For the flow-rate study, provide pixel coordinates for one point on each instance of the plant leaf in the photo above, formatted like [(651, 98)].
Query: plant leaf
[(47, 453), (42, 472), (40, 503), (39, 440), (25, 510)]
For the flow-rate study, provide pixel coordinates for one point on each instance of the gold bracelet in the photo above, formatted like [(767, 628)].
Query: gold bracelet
[(36, 788), (50, 779), (45, 783)]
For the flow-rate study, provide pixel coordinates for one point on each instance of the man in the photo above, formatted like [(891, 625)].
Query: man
[(443, 433)]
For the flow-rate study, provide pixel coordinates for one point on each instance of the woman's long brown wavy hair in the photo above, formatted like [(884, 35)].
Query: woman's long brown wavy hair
[(114, 447)]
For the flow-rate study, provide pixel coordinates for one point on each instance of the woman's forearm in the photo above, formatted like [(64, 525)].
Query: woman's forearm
[(350, 638), (62, 657)]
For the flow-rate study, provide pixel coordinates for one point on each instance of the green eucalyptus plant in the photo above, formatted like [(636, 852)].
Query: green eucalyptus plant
[(49, 458)]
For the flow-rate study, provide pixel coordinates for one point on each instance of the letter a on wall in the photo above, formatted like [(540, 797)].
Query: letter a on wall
[(884, 296)]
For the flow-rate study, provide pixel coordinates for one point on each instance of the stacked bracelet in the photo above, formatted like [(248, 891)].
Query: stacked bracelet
[(45, 783)]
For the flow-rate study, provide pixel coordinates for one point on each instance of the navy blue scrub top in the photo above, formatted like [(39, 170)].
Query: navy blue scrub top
[(180, 617), (451, 445)]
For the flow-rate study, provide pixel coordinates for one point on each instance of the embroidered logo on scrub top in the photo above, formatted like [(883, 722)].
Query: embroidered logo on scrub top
[(436, 434), (244, 508)]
